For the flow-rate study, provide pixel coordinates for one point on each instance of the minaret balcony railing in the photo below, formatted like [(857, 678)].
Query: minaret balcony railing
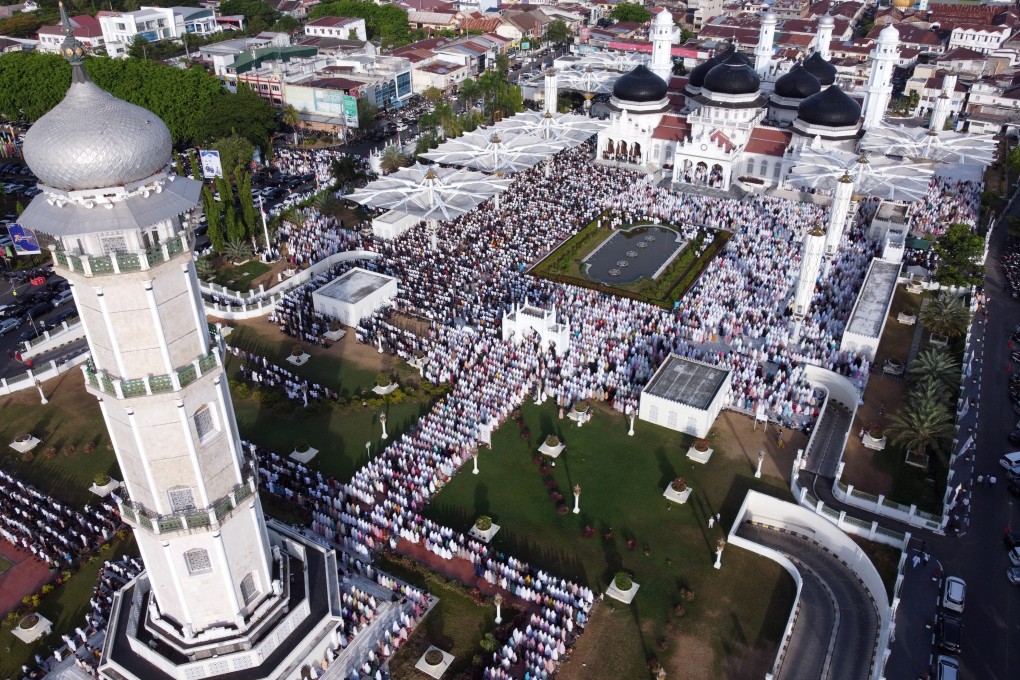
[(119, 263), (196, 518), (152, 384)]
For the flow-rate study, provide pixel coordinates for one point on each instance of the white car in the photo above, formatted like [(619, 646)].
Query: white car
[(954, 594), (1014, 556), (1013, 575), (8, 325)]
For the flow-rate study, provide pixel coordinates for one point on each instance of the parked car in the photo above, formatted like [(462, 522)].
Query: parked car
[(1014, 437), (1013, 575), (946, 668), (1014, 556), (62, 297), (39, 309), (64, 316), (9, 324), (954, 594), (1011, 539), (949, 633)]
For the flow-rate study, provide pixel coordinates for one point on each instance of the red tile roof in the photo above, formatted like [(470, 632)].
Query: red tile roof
[(720, 138), (672, 128), (768, 141)]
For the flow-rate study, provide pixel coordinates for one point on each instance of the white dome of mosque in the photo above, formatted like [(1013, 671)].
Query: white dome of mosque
[(889, 34), (92, 140), (826, 20)]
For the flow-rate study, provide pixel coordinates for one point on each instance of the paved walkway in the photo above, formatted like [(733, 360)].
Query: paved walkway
[(826, 446)]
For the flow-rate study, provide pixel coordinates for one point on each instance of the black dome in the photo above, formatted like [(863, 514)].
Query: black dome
[(821, 69), (799, 83), (640, 85), (831, 108), (698, 73), (732, 76)]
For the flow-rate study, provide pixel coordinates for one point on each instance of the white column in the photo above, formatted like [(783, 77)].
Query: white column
[(943, 103), (260, 529), (150, 479), (157, 324), (552, 91), (84, 326), (879, 88), (227, 418), (228, 579), (170, 559), (198, 308), (838, 212), (766, 38), (810, 265), (116, 449), (114, 345), (193, 454), (823, 37), (662, 45)]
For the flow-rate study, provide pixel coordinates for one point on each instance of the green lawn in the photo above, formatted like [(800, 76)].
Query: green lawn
[(740, 609), (456, 624), (65, 606), (239, 278), (71, 418), (5, 564)]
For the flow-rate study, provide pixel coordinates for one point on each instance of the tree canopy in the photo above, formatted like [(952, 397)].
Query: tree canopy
[(558, 32), (259, 15), (193, 104), (959, 250), (385, 23), (629, 11)]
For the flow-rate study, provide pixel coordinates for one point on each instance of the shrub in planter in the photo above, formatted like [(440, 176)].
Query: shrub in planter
[(561, 508), (22, 438), (623, 581), (101, 479), (483, 523), (701, 445), (382, 379), (296, 351), (29, 621), (582, 407), (301, 446), (433, 657), (679, 484), (552, 441)]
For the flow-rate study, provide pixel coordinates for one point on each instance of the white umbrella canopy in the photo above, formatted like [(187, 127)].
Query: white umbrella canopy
[(495, 151), (431, 192), (875, 175), (568, 129), (946, 146)]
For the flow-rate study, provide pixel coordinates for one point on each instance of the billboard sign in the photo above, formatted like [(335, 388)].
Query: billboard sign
[(25, 240), (350, 111), (211, 166)]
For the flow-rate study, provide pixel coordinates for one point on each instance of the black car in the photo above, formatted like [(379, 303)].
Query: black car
[(1011, 539), (64, 316), (1014, 437), (949, 633), (39, 309), (30, 333)]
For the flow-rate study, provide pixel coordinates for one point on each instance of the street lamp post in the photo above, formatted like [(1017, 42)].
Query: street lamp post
[(761, 457), (42, 395), (499, 603), (718, 553), (630, 432), (577, 498), (382, 421), (474, 459)]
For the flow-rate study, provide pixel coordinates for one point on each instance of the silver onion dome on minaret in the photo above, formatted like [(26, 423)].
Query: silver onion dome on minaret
[(91, 139)]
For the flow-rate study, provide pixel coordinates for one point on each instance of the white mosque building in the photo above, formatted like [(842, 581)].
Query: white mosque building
[(739, 119)]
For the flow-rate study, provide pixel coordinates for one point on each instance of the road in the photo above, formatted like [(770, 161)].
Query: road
[(992, 612)]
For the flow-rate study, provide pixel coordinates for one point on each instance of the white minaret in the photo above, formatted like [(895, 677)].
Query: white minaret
[(922, 5), (943, 103), (662, 45), (552, 91), (810, 265), (838, 212), (113, 209), (826, 24), (766, 38), (879, 88)]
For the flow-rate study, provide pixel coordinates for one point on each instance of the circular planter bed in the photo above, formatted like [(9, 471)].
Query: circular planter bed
[(552, 441), (701, 445), (433, 657), (301, 446), (29, 622), (101, 480), (679, 485), (623, 581), (483, 523), (23, 438)]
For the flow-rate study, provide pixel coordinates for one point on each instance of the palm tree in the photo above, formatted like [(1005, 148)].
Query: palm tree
[(326, 203), (291, 117), (924, 423), (237, 250), (294, 216), (945, 315), (935, 366), (203, 267), (392, 159), (469, 92)]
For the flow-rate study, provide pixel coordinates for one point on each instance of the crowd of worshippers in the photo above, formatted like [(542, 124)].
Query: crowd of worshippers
[(54, 532), (83, 648), (262, 372)]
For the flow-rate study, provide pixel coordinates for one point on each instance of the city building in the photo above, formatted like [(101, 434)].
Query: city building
[(121, 29), (337, 27), (86, 29)]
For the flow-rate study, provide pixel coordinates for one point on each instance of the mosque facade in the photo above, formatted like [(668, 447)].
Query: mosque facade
[(738, 118)]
